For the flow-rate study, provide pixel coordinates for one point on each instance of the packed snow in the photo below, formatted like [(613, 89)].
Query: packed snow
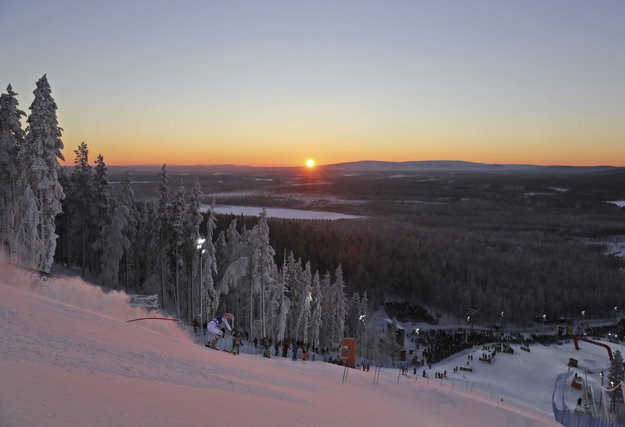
[(69, 357)]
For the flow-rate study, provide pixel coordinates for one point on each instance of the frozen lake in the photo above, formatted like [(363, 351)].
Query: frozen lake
[(277, 212)]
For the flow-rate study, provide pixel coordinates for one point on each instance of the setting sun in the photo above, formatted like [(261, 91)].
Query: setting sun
[(310, 163)]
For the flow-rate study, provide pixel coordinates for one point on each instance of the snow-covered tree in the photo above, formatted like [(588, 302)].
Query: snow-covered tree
[(327, 310), (341, 302), (220, 250), (114, 242), (39, 153), (209, 297), (163, 228), (295, 289), (148, 245), (283, 302), (25, 239), (352, 318), (315, 311), (127, 198), (307, 291), (178, 209), (236, 273), (192, 234), (262, 267), (80, 200), (389, 344), (11, 139), (233, 242), (101, 209), (275, 307)]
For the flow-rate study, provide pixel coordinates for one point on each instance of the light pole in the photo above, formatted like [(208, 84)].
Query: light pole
[(201, 250), (615, 313), (544, 318)]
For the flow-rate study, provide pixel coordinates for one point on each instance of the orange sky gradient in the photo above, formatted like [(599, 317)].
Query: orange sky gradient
[(292, 148), (277, 82)]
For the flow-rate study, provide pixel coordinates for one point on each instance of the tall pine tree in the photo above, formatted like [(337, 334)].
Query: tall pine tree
[(178, 209), (101, 210), (163, 229), (80, 202), (41, 149), (11, 139)]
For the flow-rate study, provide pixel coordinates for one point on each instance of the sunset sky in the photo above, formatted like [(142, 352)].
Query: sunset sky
[(269, 83)]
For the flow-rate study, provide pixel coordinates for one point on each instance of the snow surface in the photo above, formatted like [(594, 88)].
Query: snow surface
[(619, 203), (277, 212), (68, 357)]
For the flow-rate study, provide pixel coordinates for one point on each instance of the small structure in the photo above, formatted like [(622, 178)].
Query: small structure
[(147, 301), (577, 383), (348, 352)]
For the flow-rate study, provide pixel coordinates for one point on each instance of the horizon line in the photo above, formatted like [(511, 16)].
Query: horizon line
[(354, 162)]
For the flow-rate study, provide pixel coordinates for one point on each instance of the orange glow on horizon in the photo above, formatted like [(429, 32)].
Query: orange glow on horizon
[(288, 150), (139, 155)]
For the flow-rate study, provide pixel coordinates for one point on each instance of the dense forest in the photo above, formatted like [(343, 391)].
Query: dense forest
[(164, 245), (519, 244), (506, 247)]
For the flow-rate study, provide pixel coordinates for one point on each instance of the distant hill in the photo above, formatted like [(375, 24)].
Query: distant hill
[(460, 166), (372, 166)]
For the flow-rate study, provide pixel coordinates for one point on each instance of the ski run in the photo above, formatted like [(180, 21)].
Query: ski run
[(69, 356)]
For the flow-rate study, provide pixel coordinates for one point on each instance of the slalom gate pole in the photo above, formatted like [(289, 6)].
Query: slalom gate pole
[(152, 318), (398, 374), (344, 372), (375, 372), (377, 379)]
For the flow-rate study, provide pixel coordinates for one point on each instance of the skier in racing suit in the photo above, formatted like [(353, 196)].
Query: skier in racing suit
[(217, 327)]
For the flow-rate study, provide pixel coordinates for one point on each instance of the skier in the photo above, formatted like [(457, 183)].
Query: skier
[(217, 326)]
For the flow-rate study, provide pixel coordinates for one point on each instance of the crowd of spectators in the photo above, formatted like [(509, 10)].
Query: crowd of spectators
[(438, 344)]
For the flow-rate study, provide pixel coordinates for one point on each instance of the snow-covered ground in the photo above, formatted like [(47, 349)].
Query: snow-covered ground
[(619, 203), (68, 357)]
